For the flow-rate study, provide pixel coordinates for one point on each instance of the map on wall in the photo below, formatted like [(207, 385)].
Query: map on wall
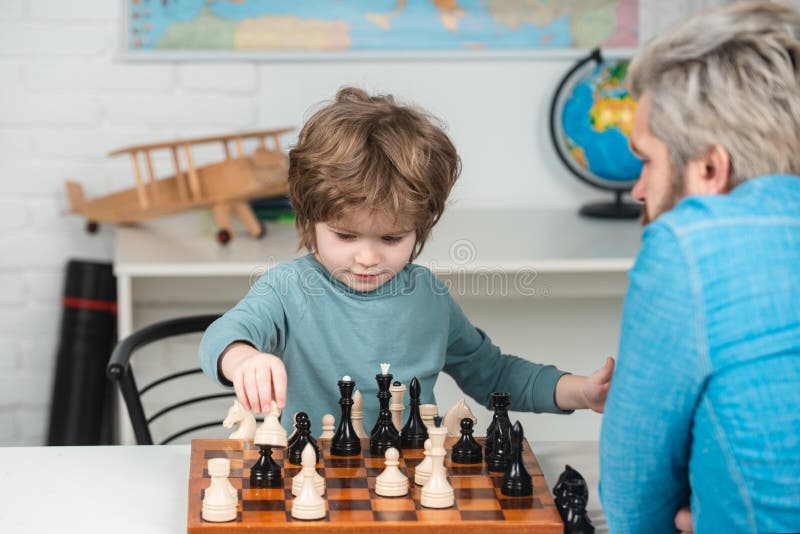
[(324, 26)]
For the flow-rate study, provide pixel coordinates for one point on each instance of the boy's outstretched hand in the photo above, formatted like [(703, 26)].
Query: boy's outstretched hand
[(579, 392), (257, 377), (595, 387)]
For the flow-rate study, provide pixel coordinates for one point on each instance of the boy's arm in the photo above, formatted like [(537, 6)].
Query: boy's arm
[(645, 437), (480, 368), (257, 320)]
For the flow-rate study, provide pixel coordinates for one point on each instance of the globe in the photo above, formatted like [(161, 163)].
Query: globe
[(591, 118)]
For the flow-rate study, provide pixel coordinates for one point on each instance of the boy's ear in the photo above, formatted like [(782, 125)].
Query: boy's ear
[(709, 174)]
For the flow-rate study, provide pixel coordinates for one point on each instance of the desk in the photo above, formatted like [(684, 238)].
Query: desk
[(144, 489)]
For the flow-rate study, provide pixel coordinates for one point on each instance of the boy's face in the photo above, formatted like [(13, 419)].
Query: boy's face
[(364, 250)]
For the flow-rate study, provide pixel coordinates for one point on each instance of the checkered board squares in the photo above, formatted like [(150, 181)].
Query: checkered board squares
[(351, 500)]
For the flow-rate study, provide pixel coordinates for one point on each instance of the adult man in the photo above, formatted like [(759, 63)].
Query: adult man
[(704, 407)]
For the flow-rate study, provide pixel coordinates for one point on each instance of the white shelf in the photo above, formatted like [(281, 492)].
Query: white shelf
[(546, 241)]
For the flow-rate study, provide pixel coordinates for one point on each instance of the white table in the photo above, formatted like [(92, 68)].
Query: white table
[(140, 489)]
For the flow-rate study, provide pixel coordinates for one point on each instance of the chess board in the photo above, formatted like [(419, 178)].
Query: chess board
[(352, 503)]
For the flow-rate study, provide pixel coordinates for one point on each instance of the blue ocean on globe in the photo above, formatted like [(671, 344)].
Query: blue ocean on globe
[(596, 120)]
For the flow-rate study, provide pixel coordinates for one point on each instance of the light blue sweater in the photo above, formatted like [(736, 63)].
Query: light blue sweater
[(705, 402), (323, 330)]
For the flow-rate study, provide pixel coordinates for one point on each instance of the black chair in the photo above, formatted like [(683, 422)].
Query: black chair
[(119, 371)]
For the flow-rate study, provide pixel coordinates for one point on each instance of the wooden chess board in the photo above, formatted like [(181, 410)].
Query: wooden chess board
[(352, 503)]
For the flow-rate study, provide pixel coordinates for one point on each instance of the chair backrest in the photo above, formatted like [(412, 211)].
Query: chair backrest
[(119, 370)]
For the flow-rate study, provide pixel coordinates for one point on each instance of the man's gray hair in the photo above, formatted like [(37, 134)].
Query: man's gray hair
[(728, 76)]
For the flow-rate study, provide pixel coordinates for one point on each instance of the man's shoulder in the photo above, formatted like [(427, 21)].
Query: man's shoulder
[(775, 197)]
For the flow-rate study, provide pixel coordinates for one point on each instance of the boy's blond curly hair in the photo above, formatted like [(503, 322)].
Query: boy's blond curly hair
[(364, 152)]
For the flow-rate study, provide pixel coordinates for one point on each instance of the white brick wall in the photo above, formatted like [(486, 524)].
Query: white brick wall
[(65, 102)]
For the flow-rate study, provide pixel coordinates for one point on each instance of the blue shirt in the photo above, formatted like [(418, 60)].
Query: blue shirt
[(323, 330), (704, 406)]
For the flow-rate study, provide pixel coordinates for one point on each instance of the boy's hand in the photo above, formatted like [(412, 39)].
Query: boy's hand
[(683, 520), (579, 392), (257, 377), (595, 387)]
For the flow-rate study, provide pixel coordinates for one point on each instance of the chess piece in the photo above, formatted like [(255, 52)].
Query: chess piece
[(384, 380), (327, 426), (570, 482), (414, 432), (308, 504), (385, 435), (297, 480), (391, 482), (266, 473), (423, 470), (500, 403), (220, 499), (466, 450), (398, 391), (271, 432), (516, 479), (437, 491), (427, 412), (576, 520), (453, 417), (293, 435), (246, 428), (499, 458), (345, 442), (358, 415), (303, 438)]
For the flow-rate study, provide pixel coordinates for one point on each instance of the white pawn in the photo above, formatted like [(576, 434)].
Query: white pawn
[(391, 482), (299, 478), (427, 412), (398, 393), (327, 427), (357, 415), (437, 491), (423, 470), (271, 432), (220, 499), (294, 427), (308, 504)]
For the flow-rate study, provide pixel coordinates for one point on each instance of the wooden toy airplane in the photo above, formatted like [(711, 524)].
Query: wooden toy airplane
[(224, 186)]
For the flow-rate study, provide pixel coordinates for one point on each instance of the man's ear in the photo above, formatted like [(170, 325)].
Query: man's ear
[(709, 174)]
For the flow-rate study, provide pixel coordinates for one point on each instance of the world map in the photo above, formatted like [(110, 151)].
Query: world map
[(379, 25)]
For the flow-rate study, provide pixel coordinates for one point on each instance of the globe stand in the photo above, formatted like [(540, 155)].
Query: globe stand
[(618, 209)]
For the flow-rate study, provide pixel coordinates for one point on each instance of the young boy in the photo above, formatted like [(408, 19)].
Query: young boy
[(368, 180)]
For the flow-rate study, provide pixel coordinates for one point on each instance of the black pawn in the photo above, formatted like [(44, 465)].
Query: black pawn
[(414, 433), (265, 473), (466, 450), (384, 436), (516, 479), (302, 438), (345, 442), (500, 402)]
